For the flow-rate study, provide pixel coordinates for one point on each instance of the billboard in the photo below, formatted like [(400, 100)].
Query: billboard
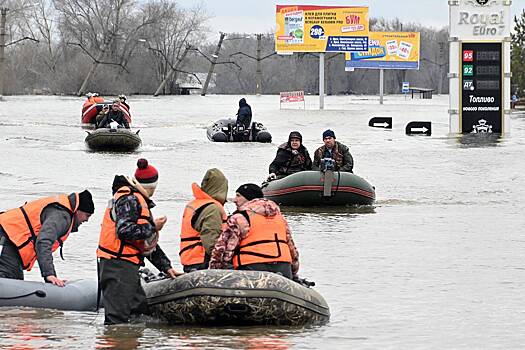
[(321, 28), (387, 50)]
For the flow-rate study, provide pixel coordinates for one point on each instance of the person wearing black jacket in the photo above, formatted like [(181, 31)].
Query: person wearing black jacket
[(114, 114), (291, 157), (244, 114)]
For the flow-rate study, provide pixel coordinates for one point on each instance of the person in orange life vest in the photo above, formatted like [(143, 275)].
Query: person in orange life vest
[(128, 234), (257, 237), (202, 220), (35, 230)]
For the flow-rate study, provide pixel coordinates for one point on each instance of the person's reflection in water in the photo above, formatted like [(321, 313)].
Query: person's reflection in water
[(120, 337)]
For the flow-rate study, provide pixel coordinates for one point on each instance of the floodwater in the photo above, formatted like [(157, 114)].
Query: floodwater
[(436, 263)]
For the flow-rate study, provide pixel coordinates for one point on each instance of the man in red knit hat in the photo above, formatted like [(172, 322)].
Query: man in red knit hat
[(129, 233)]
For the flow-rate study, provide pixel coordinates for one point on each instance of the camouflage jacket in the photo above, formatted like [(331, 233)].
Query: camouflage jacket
[(237, 229), (127, 209), (288, 161), (340, 154)]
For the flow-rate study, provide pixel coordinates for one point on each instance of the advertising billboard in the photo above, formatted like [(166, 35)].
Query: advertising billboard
[(321, 29), (387, 50)]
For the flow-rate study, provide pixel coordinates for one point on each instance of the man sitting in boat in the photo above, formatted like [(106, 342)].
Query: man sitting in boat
[(129, 233), (113, 115), (333, 155), (202, 221), (38, 228), (292, 157), (256, 237)]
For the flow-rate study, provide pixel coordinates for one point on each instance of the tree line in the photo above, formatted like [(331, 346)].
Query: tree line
[(135, 44)]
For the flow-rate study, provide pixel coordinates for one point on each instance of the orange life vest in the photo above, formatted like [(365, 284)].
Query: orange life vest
[(265, 242), (109, 245), (22, 225), (191, 249)]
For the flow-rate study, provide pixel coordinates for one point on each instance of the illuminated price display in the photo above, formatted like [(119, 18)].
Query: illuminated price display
[(481, 86)]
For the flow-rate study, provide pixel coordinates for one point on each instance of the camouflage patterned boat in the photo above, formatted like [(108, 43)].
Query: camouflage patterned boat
[(113, 140), (228, 297), (309, 188)]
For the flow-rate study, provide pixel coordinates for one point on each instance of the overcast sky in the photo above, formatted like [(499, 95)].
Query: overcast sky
[(258, 16)]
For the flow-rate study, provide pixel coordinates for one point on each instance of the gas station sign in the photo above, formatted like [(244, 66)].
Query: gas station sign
[(479, 66), (481, 92)]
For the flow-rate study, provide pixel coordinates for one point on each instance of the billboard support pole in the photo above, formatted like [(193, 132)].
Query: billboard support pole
[(381, 85), (321, 80)]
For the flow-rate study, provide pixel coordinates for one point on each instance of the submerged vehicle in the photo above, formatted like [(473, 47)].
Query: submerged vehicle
[(78, 295), (230, 297), (319, 188), (113, 140), (227, 130)]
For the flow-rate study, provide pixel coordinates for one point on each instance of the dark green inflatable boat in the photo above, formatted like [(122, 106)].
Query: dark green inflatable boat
[(228, 297), (309, 188), (113, 140)]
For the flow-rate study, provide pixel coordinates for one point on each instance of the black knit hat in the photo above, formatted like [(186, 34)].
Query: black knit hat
[(85, 202), (250, 191), (295, 135), (328, 133)]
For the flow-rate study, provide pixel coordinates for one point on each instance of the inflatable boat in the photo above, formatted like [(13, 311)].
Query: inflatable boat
[(316, 188), (94, 105), (78, 295), (228, 297), (227, 130), (113, 140)]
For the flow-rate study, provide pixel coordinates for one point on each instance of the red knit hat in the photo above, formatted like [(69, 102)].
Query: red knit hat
[(146, 174)]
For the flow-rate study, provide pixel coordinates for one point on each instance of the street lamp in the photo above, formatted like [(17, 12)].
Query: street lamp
[(215, 57)]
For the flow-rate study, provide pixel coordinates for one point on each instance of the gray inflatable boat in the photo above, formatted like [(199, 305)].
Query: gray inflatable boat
[(78, 295), (227, 297)]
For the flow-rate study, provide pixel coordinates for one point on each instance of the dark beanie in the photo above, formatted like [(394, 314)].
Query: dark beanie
[(250, 191), (328, 133), (85, 202), (295, 135)]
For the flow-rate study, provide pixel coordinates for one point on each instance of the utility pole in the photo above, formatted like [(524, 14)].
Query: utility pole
[(105, 44), (214, 58), (172, 70), (3, 15), (258, 72)]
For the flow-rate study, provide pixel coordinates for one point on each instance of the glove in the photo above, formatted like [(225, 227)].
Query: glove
[(271, 177)]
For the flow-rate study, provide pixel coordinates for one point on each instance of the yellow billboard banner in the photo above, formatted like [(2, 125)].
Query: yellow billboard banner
[(306, 28), (387, 50)]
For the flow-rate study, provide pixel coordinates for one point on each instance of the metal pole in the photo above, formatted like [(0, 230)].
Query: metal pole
[(3, 15), (258, 72), (440, 79), (321, 80), (381, 85), (172, 70), (105, 44), (214, 58)]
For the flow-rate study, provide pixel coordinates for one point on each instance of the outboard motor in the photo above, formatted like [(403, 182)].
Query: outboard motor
[(240, 133), (327, 167)]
